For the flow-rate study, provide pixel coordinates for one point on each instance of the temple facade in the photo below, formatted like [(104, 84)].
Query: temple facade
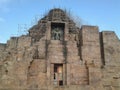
[(58, 55)]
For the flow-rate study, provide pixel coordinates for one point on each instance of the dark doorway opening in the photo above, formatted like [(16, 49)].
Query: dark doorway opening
[(60, 83), (58, 74)]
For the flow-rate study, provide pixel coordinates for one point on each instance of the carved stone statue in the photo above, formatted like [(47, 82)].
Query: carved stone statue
[(56, 34)]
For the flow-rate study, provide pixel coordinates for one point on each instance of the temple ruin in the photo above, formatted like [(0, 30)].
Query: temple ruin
[(58, 55)]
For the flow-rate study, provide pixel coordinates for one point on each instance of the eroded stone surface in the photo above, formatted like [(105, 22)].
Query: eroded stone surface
[(79, 59)]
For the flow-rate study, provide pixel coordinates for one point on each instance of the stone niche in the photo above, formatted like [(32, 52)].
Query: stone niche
[(57, 31)]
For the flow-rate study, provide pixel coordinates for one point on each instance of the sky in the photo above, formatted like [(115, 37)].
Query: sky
[(17, 16)]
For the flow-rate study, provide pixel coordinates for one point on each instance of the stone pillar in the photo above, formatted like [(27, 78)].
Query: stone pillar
[(48, 32), (52, 74), (66, 32), (48, 73), (68, 74), (64, 74)]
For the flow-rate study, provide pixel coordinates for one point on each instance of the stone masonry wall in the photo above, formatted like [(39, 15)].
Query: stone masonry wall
[(111, 73), (90, 59), (90, 50)]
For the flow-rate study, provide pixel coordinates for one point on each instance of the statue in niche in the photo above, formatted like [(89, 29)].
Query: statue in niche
[(57, 34)]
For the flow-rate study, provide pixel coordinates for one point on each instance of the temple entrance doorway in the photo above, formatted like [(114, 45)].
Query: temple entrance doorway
[(58, 74)]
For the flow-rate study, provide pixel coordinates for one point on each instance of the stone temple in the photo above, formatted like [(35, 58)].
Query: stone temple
[(58, 55)]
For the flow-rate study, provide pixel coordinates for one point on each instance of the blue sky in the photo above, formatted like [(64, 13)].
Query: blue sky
[(16, 16)]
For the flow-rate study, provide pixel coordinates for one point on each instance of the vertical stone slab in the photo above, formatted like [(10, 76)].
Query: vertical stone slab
[(48, 73), (91, 53), (111, 45), (66, 32), (111, 48), (68, 74), (52, 74), (90, 48), (64, 74), (48, 32)]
